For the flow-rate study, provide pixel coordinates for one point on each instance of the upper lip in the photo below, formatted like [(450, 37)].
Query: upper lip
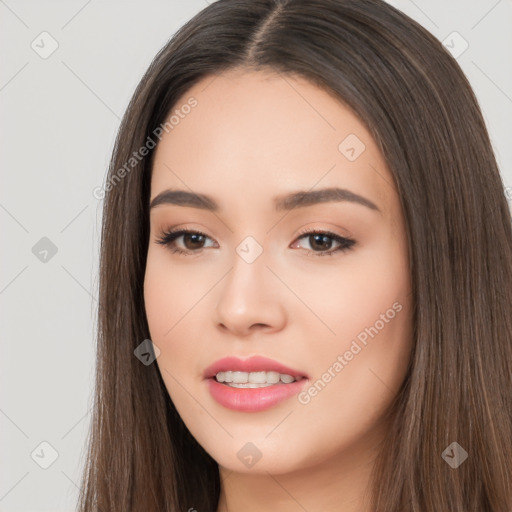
[(251, 364)]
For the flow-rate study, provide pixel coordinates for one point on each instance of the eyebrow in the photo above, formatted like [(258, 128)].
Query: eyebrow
[(286, 202)]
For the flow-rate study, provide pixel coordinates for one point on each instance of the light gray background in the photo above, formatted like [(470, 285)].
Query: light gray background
[(59, 118)]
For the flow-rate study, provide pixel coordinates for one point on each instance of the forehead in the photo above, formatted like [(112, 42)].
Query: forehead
[(264, 134)]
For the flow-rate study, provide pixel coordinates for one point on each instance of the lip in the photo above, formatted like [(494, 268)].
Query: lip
[(252, 399), (252, 364)]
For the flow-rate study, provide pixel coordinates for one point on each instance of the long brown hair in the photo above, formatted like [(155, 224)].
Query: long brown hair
[(419, 107)]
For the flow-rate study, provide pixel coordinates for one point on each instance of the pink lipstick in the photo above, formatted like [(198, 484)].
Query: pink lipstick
[(253, 384)]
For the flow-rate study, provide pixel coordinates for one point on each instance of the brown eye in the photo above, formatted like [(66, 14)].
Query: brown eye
[(193, 241), (185, 241), (321, 243)]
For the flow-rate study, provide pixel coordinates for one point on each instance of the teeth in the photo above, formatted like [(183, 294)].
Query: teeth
[(240, 377), (273, 377), (287, 378), (253, 379), (258, 377)]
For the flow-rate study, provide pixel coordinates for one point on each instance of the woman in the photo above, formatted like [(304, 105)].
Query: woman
[(238, 366)]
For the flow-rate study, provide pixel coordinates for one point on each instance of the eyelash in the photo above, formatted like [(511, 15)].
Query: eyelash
[(346, 244)]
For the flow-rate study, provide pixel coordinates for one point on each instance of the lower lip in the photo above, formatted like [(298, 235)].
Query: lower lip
[(252, 399)]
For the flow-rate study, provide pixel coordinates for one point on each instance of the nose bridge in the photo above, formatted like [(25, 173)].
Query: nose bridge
[(247, 296), (246, 283)]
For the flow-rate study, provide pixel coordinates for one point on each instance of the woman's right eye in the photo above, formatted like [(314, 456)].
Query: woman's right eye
[(192, 241)]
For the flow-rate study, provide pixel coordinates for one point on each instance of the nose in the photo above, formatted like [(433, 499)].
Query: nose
[(251, 299)]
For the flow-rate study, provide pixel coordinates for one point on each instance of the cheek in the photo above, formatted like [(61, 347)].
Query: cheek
[(355, 382), (367, 306), (351, 294), (358, 382), (169, 292), (175, 297), (168, 296)]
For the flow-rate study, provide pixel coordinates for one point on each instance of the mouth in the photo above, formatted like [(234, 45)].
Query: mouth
[(253, 384)]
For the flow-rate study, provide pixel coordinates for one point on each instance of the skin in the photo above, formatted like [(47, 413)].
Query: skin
[(254, 136)]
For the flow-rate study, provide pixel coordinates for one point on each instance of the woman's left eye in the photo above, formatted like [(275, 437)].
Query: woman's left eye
[(320, 242), (322, 238)]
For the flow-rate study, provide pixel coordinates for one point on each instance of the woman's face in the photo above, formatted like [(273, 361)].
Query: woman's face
[(250, 280)]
